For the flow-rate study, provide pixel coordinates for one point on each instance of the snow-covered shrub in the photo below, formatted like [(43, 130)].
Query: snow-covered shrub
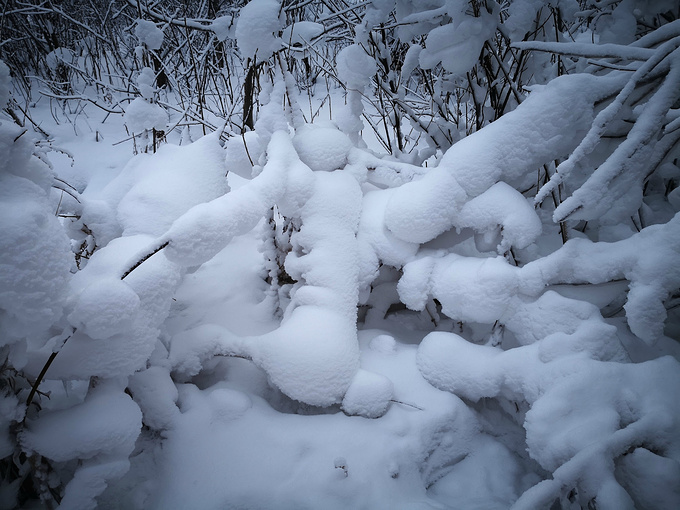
[(484, 314)]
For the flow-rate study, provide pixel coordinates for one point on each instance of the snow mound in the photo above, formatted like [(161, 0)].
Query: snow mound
[(301, 33), (35, 254), (105, 308), (255, 28), (162, 187), (148, 33), (242, 153), (205, 229), (229, 404), (457, 45), (141, 115), (107, 422), (128, 350), (507, 149), (385, 344), (322, 148), (501, 206), (156, 394), (146, 82), (451, 363), (222, 27), (355, 67), (368, 395)]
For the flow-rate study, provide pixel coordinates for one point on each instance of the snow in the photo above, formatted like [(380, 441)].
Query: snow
[(105, 308), (222, 26), (147, 291), (145, 82), (368, 395), (191, 175), (457, 45), (149, 34), (301, 33), (242, 153), (255, 28), (156, 395), (35, 255), (141, 115), (106, 423), (322, 148), (205, 229), (354, 67), (289, 317), (425, 208), (486, 212)]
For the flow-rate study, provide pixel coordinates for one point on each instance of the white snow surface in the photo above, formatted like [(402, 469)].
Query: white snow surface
[(368, 395), (35, 257), (301, 33), (149, 34), (4, 84), (257, 23), (215, 350), (106, 423), (457, 45), (322, 148), (355, 67), (141, 115), (507, 149)]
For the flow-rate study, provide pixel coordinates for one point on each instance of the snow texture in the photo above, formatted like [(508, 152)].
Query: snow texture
[(301, 33), (35, 254), (507, 149), (105, 308), (106, 423), (142, 115), (355, 67), (257, 23), (4, 84), (149, 34), (457, 45), (322, 148), (368, 395)]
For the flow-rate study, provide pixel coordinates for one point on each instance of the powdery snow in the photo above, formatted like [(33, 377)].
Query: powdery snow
[(255, 28), (149, 34), (141, 115), (322, 148)]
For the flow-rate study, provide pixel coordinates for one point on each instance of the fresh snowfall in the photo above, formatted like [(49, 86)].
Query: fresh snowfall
[(340, 254)]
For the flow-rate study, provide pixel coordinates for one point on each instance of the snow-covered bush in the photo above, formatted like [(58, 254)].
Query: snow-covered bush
[(459, 289)]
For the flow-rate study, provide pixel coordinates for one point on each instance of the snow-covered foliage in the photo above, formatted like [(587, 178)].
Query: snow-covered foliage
[(382, 254)]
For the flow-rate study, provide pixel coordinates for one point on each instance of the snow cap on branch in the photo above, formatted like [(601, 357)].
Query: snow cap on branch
[(149, 34), (257, 27)]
